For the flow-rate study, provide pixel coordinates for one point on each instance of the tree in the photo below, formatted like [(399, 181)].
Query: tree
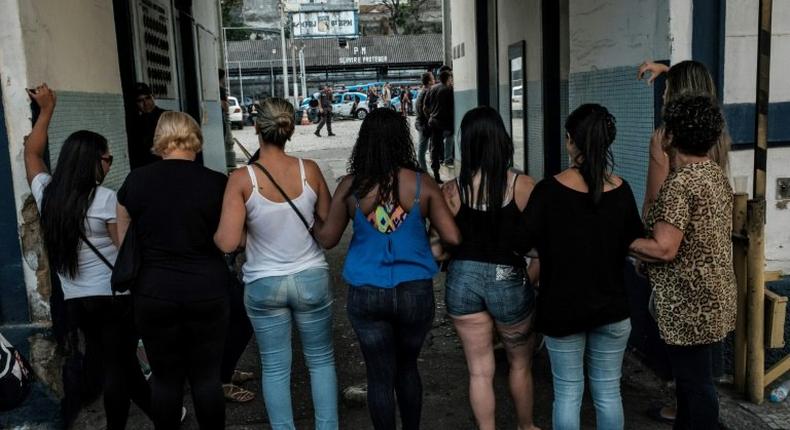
[(232, 17), (404, 15)]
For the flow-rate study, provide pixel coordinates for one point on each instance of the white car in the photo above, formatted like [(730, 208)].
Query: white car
[(235, 113), (342, 104)]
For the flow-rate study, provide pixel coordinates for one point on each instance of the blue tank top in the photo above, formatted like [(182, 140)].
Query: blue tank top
[(386, 260)]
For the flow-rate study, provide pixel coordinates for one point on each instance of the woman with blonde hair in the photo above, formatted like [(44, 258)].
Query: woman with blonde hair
[(270, 205), (180, 294)]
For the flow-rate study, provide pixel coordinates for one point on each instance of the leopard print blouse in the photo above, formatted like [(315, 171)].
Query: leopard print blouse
[(695, 294)]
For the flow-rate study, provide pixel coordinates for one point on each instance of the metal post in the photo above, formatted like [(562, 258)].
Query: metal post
[(740, 246), (225, 51), (293, 64), (271, 78), (285, 53), (241, 86), (301, 66), (756, 215)]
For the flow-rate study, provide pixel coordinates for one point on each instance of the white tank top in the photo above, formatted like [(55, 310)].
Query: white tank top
[(278, 244)]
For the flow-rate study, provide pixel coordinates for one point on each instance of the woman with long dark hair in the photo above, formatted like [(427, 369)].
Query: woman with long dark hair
[(487, 285), (581, 222), (286, 275), (181, 291), (389, 266), (78, 222)]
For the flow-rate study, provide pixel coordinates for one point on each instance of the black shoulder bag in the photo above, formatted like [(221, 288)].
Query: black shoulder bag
[(285, 196), (127, 264)]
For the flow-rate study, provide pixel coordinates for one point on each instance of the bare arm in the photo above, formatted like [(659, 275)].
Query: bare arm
[(36, 142), (662, 247), (657, 169), (123, 219), (229, 234), (112, 229), (318, 182), (329, 230), (439, 214)]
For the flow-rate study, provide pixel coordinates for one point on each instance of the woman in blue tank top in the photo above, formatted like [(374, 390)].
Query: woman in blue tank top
[(389, 265)]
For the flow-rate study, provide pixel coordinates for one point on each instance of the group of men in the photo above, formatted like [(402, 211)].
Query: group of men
[(436, 119)]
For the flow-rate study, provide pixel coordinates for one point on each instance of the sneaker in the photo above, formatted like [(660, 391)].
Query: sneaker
[(317, 134), (331, 134)]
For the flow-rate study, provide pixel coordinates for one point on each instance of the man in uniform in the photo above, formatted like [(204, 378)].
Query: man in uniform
[(325, 111)]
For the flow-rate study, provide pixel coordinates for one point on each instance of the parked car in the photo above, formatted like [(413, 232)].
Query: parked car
[(342, 104), (235, 113)]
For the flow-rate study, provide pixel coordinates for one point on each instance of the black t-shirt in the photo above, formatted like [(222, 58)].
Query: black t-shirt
[(143, 140), (175, 206), (582, 249)]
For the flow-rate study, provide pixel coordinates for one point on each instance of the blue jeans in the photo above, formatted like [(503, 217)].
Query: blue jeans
[(271, 303), (425, 138), (601, 350), (391, 325)]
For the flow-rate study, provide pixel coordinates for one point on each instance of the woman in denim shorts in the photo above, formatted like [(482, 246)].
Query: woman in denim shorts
[(487, 283)]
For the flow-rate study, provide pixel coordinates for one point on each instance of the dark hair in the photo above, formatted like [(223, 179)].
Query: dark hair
[(444, 68), (221, 74), (445, 76), (275, 121), (427, 77), (485, 147), (592, 129), (69, 195), (694, 123), (142, 89), (383, 147)]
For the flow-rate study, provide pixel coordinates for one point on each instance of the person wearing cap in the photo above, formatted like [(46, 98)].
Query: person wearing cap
[(148, 114)]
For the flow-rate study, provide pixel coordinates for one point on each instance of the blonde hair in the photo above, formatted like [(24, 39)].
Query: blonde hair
[(177, 130), (276, 121)]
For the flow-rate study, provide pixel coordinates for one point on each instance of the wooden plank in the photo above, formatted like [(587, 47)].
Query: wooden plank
[(777, 370), (775, 314)]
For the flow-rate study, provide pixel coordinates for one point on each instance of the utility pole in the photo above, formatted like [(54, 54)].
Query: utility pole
[(285, 53), (293, 63), (271, 73), (304, 76)]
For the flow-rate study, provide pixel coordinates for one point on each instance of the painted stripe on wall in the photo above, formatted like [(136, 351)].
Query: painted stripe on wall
[(740, 122), (13, 304)]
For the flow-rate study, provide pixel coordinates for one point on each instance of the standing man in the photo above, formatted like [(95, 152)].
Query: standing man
[(386, 95), (373, 99), (440, 109), (148, 114), (421, 122), (325, 111), (230, 155)]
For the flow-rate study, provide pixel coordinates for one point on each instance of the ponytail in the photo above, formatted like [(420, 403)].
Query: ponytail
[(592, 129)]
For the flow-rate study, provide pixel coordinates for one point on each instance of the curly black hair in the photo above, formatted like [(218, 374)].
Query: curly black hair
[(694, 123), (383, 147)]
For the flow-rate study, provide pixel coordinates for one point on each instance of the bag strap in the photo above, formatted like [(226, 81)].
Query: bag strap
[(96, 251), (287, 199)]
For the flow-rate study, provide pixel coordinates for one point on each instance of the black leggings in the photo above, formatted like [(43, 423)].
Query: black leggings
[(239, 332), (698, 402), (108, 326), (391, 324), (184, 341)]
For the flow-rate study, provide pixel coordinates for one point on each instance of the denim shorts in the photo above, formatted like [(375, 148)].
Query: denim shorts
[(502, 291)]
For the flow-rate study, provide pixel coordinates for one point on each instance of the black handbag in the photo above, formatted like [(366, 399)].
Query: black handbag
[(127, 265)]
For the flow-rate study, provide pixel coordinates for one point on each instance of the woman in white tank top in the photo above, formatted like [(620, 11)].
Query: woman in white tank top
[(286, 275)]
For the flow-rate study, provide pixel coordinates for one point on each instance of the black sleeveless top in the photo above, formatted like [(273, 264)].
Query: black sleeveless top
[(490, 236)]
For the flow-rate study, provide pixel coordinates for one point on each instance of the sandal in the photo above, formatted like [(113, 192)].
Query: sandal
[(237, 394), (240, 376)]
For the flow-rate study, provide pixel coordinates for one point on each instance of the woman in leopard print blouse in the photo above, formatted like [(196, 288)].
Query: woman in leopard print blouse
[(690, 256)]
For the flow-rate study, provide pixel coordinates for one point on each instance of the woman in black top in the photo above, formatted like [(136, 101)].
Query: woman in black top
[(581, 222), (487, 284), (181, 292)]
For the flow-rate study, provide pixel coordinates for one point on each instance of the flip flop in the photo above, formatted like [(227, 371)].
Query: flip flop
[(656, 415), (237, 394)]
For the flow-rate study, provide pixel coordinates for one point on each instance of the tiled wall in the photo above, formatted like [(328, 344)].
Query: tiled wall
[(100, 113), (631, 102), (534, 99)]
